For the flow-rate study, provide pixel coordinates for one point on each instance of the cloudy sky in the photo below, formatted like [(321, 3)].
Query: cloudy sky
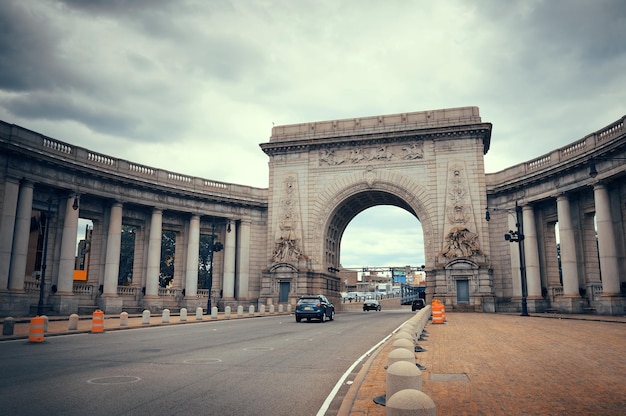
[(194, 86)]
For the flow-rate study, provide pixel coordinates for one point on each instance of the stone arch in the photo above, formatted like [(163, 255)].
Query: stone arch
[(356, 192)]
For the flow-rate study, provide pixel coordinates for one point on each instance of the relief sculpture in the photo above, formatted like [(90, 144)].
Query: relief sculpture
[(334, 157), (286, 244)]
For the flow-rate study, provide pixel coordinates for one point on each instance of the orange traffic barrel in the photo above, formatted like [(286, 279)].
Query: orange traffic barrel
[(36, 329), (97, 322), (437, 313)]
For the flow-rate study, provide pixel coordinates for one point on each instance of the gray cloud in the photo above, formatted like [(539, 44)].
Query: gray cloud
[(194, 86)]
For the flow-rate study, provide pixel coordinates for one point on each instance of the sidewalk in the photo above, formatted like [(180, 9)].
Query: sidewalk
[(501, 364), (478, 363)]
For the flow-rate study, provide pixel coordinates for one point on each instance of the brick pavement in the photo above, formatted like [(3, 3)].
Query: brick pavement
[(500, 364), (485, 364)]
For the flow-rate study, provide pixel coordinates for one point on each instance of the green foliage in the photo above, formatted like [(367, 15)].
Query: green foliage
[(127, 255), (168, 250)]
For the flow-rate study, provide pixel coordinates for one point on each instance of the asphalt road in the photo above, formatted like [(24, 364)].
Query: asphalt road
[(258, 366)]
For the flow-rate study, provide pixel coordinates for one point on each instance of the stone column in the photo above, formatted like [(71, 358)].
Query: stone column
[(21, 236), (533, 277), (193, 250), (67, 259), (568, 248), (111, 301), (229, 262), (7, 226), (243, 260), (154, 254), (607, 251)]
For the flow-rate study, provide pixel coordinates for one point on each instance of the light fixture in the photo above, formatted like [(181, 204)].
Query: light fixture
[(228, 227), (75, 205), (593, 172)]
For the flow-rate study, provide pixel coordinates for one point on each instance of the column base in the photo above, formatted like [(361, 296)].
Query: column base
[(110, 304), (537, 305), (15, 304), (192, 303), (153, 303), (223, 303), (64, 304), (568, 304), (610, 305)]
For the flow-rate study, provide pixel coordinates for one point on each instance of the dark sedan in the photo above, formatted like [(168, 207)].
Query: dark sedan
[(314, 307)]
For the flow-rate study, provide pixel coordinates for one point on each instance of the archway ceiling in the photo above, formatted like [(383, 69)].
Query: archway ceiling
[(358, 203)]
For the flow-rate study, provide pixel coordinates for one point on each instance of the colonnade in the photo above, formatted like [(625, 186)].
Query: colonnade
[(568, 295), (16, 241)]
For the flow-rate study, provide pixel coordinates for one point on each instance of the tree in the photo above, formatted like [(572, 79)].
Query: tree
[(168, 251), (127, 255)]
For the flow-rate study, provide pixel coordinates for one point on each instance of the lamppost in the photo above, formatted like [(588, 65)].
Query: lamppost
[(213, 248), (44, 261), (517, 236)]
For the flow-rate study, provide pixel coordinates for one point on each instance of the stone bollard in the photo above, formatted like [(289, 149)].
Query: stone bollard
[(165, 316), (214, 312), (280, 308), (227, 312), (403, 343), (403, 375), (272, 309), (239, 311), (262, 309), (73, 322), (403, 335), (8, 326), (198, 313), (145, 317), (183, 315), (400, 354), (289, 308), (410, 402), (45, 324), (251, 310), (124, 319)]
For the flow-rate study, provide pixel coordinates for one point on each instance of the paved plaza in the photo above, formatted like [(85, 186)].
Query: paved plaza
[(500, 364)]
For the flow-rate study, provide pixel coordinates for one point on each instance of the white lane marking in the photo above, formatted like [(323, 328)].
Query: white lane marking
[(345, 375)]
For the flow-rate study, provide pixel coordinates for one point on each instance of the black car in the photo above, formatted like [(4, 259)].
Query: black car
[(371, 305), (417, 304), (314, 307)]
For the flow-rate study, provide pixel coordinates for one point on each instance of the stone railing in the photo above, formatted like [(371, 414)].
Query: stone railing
[(595, 291), (127, 291), (557, 292), (169, 292), (578, 149), (20, 137)]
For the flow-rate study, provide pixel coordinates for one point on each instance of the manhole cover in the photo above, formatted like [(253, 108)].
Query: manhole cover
[(449, 377), (114, 380), (203, 361)]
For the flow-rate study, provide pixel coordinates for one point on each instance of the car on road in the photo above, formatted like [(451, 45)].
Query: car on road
[(417, 304), (371, 305), (314, 307)]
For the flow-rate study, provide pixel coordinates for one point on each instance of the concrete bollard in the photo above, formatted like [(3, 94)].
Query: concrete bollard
[(403, 335), (402, 375), (165, 316), (410, 402), (227, 312), (262, 309), (214, 312), (8, 326), (289, 308), (45, 324), (124, 319), (251, 310), (272, 309), (183, 315), (239, 311), (280, 308), (403, 343), (72, 324), (145, 317), (199, 313), (400, 354)]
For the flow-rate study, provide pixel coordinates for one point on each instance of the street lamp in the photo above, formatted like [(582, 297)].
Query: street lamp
[(213, 248), (517, 236), (46, 221)]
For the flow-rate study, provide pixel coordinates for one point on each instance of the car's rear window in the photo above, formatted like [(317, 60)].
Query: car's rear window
[(308, 300)]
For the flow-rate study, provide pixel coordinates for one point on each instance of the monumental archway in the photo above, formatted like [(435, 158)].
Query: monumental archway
[(323, 174)]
